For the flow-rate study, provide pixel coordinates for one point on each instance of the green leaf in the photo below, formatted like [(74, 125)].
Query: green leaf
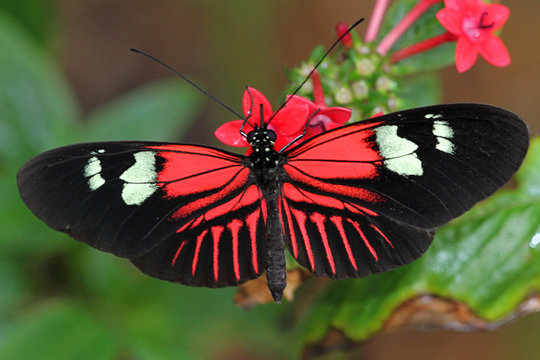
[(57, 331), (37, 109), (425, 27), (36, 16), (488, 259), (529, 174), (420, 90), (160, 111), (36, 104)]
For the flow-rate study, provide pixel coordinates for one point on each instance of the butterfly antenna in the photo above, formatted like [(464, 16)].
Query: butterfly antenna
[(317, 65), (189, 81)]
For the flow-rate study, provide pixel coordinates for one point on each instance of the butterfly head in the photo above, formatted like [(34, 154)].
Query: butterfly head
[(262, 140), (261, 136)]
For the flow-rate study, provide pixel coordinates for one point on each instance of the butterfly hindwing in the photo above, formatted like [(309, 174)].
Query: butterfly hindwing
[(221, 247), (384, 185), (136, 199), (338, 239)]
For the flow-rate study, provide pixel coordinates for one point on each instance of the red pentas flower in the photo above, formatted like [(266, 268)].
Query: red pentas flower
[(288, 123), (474, 22), (321, 117), (341, 29)]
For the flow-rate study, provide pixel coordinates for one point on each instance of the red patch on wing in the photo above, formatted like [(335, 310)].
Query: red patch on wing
[(189, 169), (348, 152)]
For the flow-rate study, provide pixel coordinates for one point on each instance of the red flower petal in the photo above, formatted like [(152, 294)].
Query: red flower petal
[(466, 54), (451, 20), (283, 141), (498, 14), (229, 133), (494, 51), (452, 4), (251, 102), (339, 115), (290, 120), (296, 100)]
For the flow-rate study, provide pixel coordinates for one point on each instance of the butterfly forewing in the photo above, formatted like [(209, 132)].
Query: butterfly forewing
[(367, 197), (137, 199)]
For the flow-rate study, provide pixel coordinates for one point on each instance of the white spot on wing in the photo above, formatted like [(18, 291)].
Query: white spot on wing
[(443, 132), (405, 165), (92, 171), (140, 179), (441, 128), (399, 153)]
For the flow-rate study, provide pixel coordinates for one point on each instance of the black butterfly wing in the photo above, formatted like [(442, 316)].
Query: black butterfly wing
[(367, 197), (182, 213)]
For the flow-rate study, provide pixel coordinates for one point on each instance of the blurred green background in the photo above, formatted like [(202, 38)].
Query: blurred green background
[(68, 62)]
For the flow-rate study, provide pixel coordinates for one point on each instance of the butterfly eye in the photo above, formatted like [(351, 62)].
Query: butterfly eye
[(272, 135), (250, 137)]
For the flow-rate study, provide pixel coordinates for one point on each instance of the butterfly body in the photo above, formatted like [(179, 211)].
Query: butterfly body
[(360, 199), (267, 169)]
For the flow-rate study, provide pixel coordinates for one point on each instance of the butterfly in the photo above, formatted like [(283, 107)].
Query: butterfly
[(360, 199)]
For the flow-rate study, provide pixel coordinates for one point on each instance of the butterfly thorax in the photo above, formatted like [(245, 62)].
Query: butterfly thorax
[(264, 159)]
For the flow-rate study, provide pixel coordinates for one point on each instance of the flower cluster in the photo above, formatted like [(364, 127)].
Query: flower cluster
[(364, 77)]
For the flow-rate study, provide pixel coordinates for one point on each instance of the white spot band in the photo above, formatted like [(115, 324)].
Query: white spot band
[(443, 132), (92, 171), (140, 178), (399, 153)]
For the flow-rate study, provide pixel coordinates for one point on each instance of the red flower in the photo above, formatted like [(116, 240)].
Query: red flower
[(341, 29), (326, 118), (288, 123), (474, 22)]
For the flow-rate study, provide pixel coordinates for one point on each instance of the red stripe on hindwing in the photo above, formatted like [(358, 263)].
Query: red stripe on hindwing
[(252, 220), (319, 219), (216, 235), (366, 241), (178, 252), (301, 220), (294, 244), (197, 250), (234, 227), (382, 234), (338, 221)]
